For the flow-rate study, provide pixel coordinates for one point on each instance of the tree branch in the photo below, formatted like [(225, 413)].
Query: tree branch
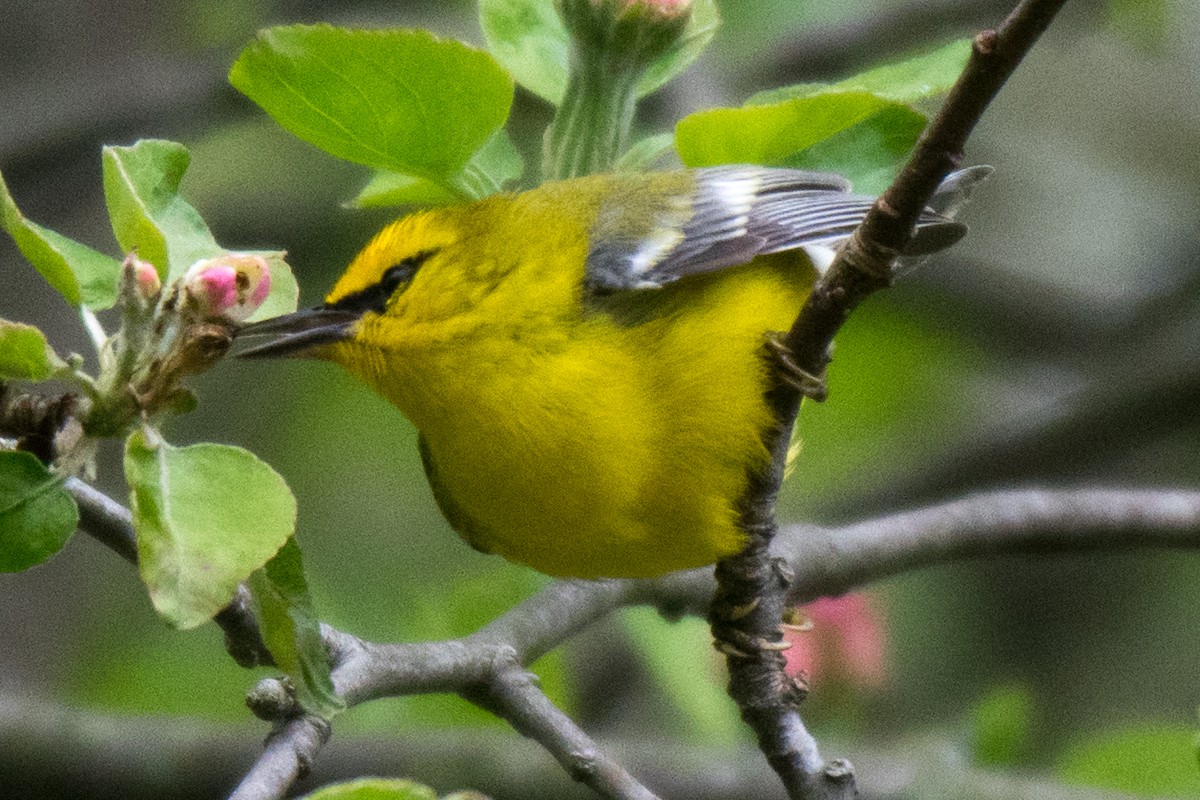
[(748, 604), (290, 751), (822, 560)]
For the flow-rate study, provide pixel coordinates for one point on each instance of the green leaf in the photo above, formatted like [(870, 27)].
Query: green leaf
[(141, 187), (1147, 760), (25, 354), (77, 272), (696, 37), (645, 152), (397, 100), (870, 153), (385, 189), (492, 166), (291, 630), (37, 515), (528, 37), (1000, 725), (373, 789), (907, 81), (206, 517), (771, 134)]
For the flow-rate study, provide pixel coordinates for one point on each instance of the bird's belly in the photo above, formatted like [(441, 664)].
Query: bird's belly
[(574, 472)]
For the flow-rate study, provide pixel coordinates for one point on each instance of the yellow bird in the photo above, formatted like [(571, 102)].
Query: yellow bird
[(584, 361)]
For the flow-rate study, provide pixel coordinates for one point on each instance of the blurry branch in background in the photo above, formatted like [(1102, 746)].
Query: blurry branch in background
[(60, 749), (1112, 414), (487, 667), (752, 585)]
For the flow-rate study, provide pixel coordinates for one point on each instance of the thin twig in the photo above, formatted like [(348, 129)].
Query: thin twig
[(751, 588), (512, 694), (290, 751)]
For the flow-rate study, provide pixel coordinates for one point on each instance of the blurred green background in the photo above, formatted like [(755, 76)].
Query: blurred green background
[(1055, 346)]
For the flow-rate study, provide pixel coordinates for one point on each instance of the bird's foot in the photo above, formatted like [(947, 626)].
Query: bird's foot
[(791, 373)]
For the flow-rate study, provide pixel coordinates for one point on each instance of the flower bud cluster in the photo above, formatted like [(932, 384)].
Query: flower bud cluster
[(170, 332)]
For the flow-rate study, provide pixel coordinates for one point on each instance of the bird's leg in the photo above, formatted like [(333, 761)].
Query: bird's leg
[(791, 373)]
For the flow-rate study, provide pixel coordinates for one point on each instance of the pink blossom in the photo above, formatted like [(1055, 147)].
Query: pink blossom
[(845, 641), (231, 286)]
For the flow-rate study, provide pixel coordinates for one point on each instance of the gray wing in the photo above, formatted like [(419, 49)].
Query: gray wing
[(732, 214)]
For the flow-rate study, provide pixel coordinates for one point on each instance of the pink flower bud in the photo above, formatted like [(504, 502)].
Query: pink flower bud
[(145, 276), (139, 280), (230, 287)]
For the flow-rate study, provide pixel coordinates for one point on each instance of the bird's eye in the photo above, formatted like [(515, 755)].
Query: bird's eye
[(394, 276)]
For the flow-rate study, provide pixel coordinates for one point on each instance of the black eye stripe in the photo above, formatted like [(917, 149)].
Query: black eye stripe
[(375, 297)]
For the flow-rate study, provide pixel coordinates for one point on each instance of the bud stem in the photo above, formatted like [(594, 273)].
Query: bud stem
[(613, 44)]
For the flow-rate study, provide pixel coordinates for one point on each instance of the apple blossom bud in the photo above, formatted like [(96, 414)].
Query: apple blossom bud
[(229, 287), (144, 277)]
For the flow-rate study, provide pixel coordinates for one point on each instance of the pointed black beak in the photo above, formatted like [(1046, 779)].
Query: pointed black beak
[(296, 333)]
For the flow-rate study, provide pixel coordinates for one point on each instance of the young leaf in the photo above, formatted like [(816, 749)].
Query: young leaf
[(492, 166), (284, 293), (77, 272), (770, 134), (37, 515), (206, 517), (529, 38), (701, 29), (907, 81), (397, 100), (141, 187), (386, 188), (291, 630), (25, 354), (373, 789), (645, 152)]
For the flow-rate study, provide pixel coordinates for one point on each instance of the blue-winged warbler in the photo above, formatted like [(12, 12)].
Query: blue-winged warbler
[(584, 361)]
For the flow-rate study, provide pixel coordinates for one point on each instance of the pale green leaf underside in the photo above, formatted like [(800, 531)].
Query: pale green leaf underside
[(493, 166), (141, 187), (206, 517), (908, 81), (291, 630), (83, 276), (373, 789)]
